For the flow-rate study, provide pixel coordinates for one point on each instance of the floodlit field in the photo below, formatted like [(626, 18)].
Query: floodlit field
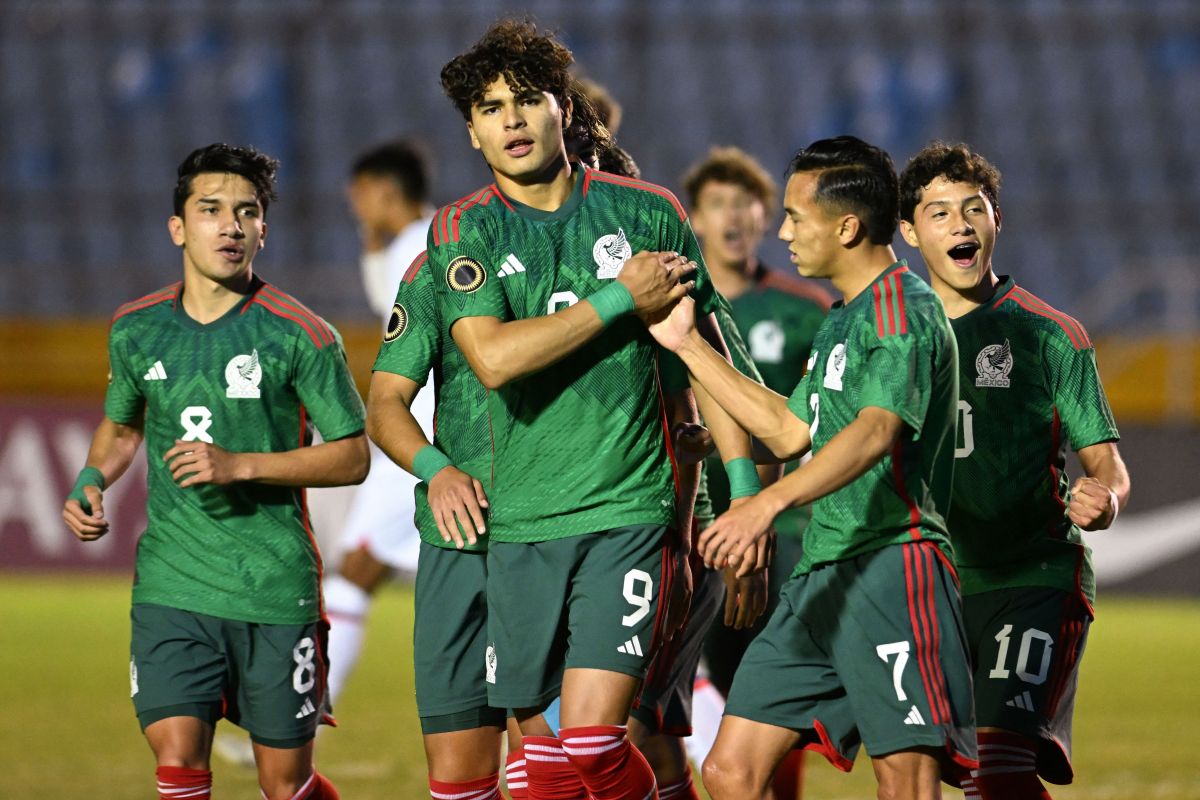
[(69, 729)]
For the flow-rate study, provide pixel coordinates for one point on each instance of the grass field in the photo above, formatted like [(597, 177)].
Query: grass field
[(69, 729)]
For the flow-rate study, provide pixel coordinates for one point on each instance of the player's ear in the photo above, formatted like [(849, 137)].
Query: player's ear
[(909, 232), (568, 108), (175, 228), (999, 217), (474, 138), (262, 239), (849, 229)]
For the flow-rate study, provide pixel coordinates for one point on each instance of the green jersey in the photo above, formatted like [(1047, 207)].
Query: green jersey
[(581, 446), (416, 342), (778, 316), (1028, 387), (247, 382), (890, 347)]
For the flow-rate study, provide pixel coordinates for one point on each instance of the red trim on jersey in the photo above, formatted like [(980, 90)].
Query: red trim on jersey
[(899, 289), (497, 193), (878, 310), (291, 303), (825, 747), (154, 298), (415, 266), (319, 334), (666, 427), (462, 209), (1070, 326), (914, 513), (915, 590), (634, 183)]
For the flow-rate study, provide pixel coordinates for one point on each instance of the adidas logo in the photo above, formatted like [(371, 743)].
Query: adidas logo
[(633, 647), (512, 266), (306, 709), (156, 373), (1022, 701), (914, 717)]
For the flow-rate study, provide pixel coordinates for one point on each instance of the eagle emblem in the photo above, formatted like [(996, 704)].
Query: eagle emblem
[(243, 374), (610, 253), (993, 364)]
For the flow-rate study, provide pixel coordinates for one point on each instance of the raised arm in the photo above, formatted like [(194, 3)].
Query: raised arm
[(500, 352), (114, 446)]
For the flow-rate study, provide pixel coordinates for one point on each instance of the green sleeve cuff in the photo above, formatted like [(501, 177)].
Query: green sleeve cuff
[(611, 302), (743, 478), (88, 476), (429, 462)]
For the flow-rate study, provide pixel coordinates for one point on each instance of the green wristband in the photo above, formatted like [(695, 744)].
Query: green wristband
[(88, 476), (429, 462), (611, 302), (743, 478)]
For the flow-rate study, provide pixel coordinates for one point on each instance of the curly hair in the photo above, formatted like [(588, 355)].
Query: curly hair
[(853, 177), (518, 52), (730, 165), (956, 163), (587, 136), (256, 167)]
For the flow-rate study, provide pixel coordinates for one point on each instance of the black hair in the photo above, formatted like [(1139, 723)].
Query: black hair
[(855, 178), (403, 161), (256, 167), (956, 163)]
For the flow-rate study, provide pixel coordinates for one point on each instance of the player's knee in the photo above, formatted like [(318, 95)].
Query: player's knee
[(730, 778)]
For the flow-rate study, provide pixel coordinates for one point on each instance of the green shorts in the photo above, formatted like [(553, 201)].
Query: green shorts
[(269, 679), (450, 641), (869, 650), (665, 705), (589, 601), (1026, 644)]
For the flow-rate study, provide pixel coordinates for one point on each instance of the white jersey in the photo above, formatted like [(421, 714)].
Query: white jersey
[(380, 517)]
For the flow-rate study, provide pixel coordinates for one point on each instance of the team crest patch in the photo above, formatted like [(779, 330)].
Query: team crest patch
[(766, 342), (993, 364), (835, 367), (243, 374), (465, 274), (610, 253), (397, 323)]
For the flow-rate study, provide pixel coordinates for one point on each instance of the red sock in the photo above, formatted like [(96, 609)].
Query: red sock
[(515, 776), (1008, 768), (680, 790), (181, 783), (317, 787), (789, 778), (550, 775), (970, 791), (610, 767), (480, 789)]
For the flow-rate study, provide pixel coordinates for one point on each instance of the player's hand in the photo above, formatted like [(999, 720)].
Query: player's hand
[(679, 603), (457, 501), (1093, 505), (734, 539), (671, 329), (90, 524), (656, 281), (693, 443), (745, 598), (193, 463)]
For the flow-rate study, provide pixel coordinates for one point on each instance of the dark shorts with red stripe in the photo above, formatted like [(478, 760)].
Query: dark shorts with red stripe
[(866, 651), (269, 679), (1026, 644), (594, 601), (665, 705)]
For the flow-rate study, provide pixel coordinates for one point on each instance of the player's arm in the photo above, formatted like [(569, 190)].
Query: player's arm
[(681, 412), (756, 409), (848, 455), (1097, 497), (340, 462), (114, 446), (500, 352), (456, 499)]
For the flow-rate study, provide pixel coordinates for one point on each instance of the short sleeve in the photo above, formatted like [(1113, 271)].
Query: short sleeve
[(1079, 396), (323, 383), (123, 400), (897, 375), (412, 340), (679, 237), (459, 269), (798, 402)]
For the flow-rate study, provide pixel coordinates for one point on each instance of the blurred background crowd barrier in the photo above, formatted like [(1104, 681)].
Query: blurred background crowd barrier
[(1090, 109)]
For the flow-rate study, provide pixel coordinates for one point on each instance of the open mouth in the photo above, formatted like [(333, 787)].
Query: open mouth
[(232, 252), (518, 147), (733, 236), (964, 254)]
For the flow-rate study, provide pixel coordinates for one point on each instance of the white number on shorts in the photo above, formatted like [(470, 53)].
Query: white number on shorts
[(640, 600), (900, 651), (1000, 671), (966, 427), (305, 676), (561, 299)]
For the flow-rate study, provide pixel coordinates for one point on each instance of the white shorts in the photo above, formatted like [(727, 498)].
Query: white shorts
[(380, 517)]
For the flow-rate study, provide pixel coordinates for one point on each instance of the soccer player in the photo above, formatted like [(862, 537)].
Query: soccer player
[(730, 197), (866, 645), (221, 375), (389, 194), (537, 279), (1028, 388)]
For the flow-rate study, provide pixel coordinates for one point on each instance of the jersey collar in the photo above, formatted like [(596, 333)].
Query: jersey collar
[(225, 319), (568, 208)]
